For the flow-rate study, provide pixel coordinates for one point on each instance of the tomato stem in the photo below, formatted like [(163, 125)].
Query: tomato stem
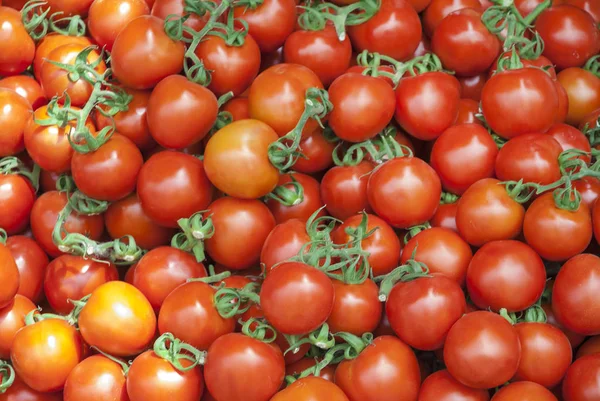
[(8, 376), (410, 271), (124, 365), (75, 25), (175, 351), (195, 230), (288, 196), (414, 230), (593, 65), (34, 19), (448, 198), (259, 329), (12, 165)]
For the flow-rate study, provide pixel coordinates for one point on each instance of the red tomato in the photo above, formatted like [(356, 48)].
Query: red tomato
[(589, 347), (596, 222), (70, 7), (344, 189), (108, 17), (15, 111), (524, 391), (356, 308), (469, 357), (592, 7), (31, 260), (163, 8), (96, 378), (574, 338), (583, 91), (303, 210), (311, 389), (440, 9), (471, 87), (27, 87), (467, 112), (563, 103), (238, 107), (427, 104), (419, 5), (404, 192), (283, 242), (571, 138), (557, 234), (589, 189), (12, 319), (20, 391), (317, 151), (51, 42), (16, 201), (441, 386), (445, 216), (581, 380), (16, 46), (463, 155)]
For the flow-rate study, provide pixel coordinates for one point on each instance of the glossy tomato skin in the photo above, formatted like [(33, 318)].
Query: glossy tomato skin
[(304, 210), (43, 354), (571, 138), (311, 389), (445, 216), (241, 225), (439, 9), (441, 386), (467, 112), (19, 391), (31, 260), (395, 31), (96, 378), (16, 200), (589, 189), (163, 8), (235, 147), (592, 7), (404, 192), (120, 331), (143, 42), (173, 185), (27, 87), (70, 277), (356, 308), (12, 319), (486, 212), (581, 380), (107, 18), (238, 107), (557, 234), (387, 370), (231, 351), (469, 358), (574, 338), (17, 49), (162, 270), (283, 242), (463, 155), (344, 189), (14, 114), (422, 311), (589, 347), (284, 292), (583, 91), (51, 42), (470, 87), (570, 35), (175, 102), (362, 106), (524, 391), (427, 104)]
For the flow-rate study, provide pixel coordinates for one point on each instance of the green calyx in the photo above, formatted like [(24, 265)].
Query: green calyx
[(288, 194), (12, 165), (419, 65), (259, 329), (176, 351), (35, 18), (412, 270), (7, 376), (195, 230)]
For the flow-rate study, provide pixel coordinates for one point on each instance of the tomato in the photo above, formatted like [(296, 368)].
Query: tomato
[(592, 7), (16, 201), (589, 347), (583, 91), (557, 234), (440, 9), (151, 378), (283, 242), (467, 112), (14, 114), (20, 391), (51, 42), (12, 319), (383, 245), (362, 106), (469, 357), (163, 8), (571, 138), (386, 370), (419, 5), (570, 35), (311, 389), (144, 43), (232, 149), (57, 81), (109, 173), (27, 87), (16, 46), (173, 185), (162, 270), (563, 103), (49, 145), (404, 192), (96, 378), (118, 319), (524, 391), (486, 212), (303, 210), (317, 151), (10, 276), (573, 299), (238, 107), (422, 311), (222, 369), (589, 189), (427, 104), (43, 354), (108, 17), (344, 189), (326, 373), (463, 155), (269, 36), (521, 101), (31, 262), (596, 222), (581, 380), (574, 338), (441, 386), (540, 62), (464, 44), (445, 217), (471, 87), (356, 308), (321, 51), (44, 216), (70, 7), (394, 31)]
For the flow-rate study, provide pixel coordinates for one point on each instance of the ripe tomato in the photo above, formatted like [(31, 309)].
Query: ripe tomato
[(10, 276), (583, 91), (163, 8), (173, 185), (422, 311), (238, 107), (317, 151), (589, 347), (570, 35), (520, 390), (394, 31), (311, 389), (557, 234), (71, 277), (574, 338), (427, 104), (143, 42), (303, 210), (222, 374), (152, 378), (17, 198), (12, 319), (118, 319), (356, 308), (43, 354), (486, 212), (596, 221), (573, 296), (344, 189), (15, 111), (21, 391), (463, 155), (51, 42), (386, 370), (445, 216), (589, 189), (16, 46), (31, 260), (70, 7), (517, 102), (404, 192), (571, 138), (232, 149), (283, 242), (467, 112), (440, 9), (581, 380), (285, 291), (162, 270), (471, 87), (27, 87), (563, 103), (441, 386), (96, 378), (592, 7), (471, 360), (108, 17)]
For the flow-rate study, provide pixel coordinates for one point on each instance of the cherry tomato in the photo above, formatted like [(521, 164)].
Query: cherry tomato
[(51, 42), (317, 151), (581, 380), (467, 112), (589, 347), (592, 7), (583, 91), (10, 276), (471, 87), (440, 9), (303, 211), (522, 391), (283, 242), (445, 217), (108, 17), (96, 378), (16, 46), (19, 391), (12, 319), (571, 138), (344, 189), (17, 198), (238, 107), (356, 308), (163, 8), (27, 87), (563, 103), (589, 189), (441, 386), (31, 262), (14, 114), (574, 338), (311, 389), (70, 7), (118, 319)]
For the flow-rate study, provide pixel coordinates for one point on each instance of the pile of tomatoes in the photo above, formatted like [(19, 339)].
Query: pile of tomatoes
[(299, 200)]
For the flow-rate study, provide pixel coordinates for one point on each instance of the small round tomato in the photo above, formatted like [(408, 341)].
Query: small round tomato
[(10, 276), (521, 390), (70, 277), (583, 91), (344, 189), (238, 107), (17, 48), (108, 17), (589, 189), (574, 338), (469, 357), (311, 389), (31, 261), (12, 319), (15, 111), (445, 216), (581, 380), (70, 7), (96, 378), (51, 42), (571, 138), (27, 87), (17, 199), (404, 192), (283, 242), (563, 103), (232, 149), (317, 151), (143, 42), (18, 390), (356, 309), (441, 386), (310, 203), (589, 347), (467, 112), (471, 87), (557, 234), (438, 10), (118, 319)]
